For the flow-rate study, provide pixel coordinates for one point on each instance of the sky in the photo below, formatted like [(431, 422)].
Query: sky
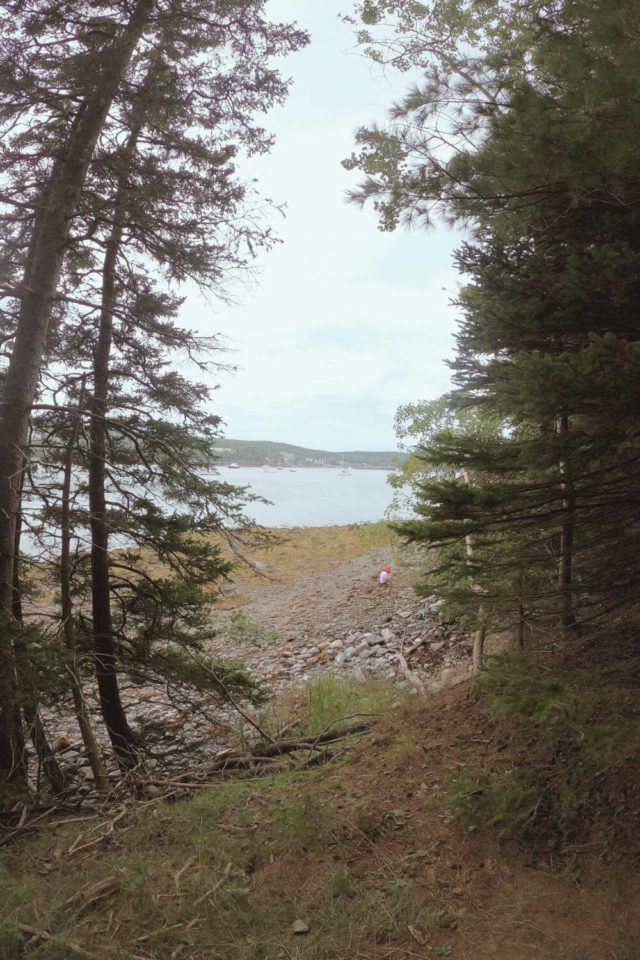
[(343, 323)]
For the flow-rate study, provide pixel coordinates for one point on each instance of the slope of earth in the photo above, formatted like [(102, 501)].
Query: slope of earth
[(370, 857)]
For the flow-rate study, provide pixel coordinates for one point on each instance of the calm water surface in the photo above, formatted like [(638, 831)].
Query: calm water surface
[(314, 497)]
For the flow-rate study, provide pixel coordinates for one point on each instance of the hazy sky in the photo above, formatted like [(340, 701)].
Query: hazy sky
[(343, 322)]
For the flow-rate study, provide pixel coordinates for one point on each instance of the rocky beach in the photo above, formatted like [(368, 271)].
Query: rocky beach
[(314, 610)]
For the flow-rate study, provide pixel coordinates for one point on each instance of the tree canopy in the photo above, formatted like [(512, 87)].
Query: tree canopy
[(523, 129)]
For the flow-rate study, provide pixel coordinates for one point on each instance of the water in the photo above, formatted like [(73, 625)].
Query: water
[(314, 497)]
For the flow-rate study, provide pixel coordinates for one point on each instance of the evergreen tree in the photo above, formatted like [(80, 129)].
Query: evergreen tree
[(76, 82), (544, 174)]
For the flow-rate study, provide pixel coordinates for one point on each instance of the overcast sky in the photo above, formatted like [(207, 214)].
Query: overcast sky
[(343, 323)]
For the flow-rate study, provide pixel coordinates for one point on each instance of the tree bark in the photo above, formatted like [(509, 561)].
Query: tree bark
[(33, 721), (565, 566), (104, 645), (481, 633), (58, 202), (84, 723), (521, 627)]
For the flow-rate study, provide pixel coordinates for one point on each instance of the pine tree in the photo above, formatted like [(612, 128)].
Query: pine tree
[(63, 173), (544, 174)]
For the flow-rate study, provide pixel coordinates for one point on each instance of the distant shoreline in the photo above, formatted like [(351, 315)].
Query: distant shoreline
[(306, 466), (261, 453)]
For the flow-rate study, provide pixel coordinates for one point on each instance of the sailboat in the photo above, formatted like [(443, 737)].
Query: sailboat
[(268, 466), (344, 471)]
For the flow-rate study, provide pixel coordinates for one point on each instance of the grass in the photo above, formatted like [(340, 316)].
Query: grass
[(581, 727), (328, 701), (367, 850), (302, 551)]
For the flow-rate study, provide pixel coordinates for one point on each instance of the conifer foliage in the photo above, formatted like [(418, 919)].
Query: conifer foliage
[(121, 124), (525, 129)]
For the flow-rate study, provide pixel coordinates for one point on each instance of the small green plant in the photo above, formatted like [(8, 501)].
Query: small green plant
[(245, 629)]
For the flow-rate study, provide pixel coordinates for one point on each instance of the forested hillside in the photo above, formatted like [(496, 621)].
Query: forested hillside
[(252, 453)]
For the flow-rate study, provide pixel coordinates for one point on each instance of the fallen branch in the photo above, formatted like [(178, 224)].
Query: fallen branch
[(216, 886), (37, 936), (412, 677), (91, 894)]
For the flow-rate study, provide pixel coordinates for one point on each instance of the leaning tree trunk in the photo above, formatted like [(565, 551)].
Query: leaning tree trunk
[(105, 650), (58, 202)]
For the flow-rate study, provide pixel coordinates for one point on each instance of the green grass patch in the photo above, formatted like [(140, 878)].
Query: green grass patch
[(329, 701), (378, 534)]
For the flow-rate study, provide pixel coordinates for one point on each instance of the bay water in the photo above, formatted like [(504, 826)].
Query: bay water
[(313, 496)]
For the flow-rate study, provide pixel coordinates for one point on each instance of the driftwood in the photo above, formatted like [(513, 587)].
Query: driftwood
[(128, 796), (412, 677), (90, 895), (34, 937)]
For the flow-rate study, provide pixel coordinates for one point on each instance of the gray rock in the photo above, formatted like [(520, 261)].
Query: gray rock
[(387, 634), (374, 640), (436, 645), (405, 614), (300, 927), (364, 654), (341, 658)]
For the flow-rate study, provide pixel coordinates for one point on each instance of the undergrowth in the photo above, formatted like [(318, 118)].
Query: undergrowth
[(328, 701), (569, 764), (243, 627)]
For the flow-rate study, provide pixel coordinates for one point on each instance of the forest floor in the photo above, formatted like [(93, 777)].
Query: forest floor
[(498, 821)]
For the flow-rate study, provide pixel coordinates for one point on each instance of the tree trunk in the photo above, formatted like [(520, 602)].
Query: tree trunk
[(478, 646), (104, 645), (521, 626), (84, 723), (58, 203), (33, 721), (481, 633), (565, 566)]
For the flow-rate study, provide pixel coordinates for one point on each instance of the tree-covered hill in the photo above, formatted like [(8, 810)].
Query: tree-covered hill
[(251, 453)]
